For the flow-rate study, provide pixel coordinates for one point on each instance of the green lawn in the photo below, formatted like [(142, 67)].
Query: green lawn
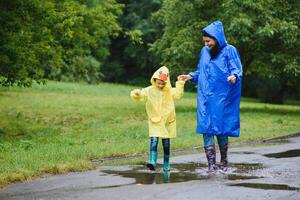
[(61, 127)]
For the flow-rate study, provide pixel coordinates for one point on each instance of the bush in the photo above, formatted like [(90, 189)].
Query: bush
[(270, 90)]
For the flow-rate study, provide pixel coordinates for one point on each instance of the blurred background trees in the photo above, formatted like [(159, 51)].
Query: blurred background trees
[(125, 41), (60, 40), (130, 61)]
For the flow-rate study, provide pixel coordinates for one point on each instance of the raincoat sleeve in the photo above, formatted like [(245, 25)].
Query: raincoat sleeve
[(235, 65), (177, 92), (195, 74), (142, 97)]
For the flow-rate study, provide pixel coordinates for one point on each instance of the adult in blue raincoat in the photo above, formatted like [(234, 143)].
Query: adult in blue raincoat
[(219, 77)]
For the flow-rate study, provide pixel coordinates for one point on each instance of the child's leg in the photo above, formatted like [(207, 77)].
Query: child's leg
[(153, 153), (166, 146), (153, 143), (223, 146), (210, 151)]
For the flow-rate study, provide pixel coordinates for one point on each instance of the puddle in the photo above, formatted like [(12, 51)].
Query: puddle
[(179, 173), (285, 154), (266, 186), (185, 172)]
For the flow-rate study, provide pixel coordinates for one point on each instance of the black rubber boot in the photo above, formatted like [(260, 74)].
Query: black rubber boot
[(224, 160), (210, 152)]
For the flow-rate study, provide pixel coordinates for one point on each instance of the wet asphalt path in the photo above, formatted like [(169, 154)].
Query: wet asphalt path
[(270, 172)]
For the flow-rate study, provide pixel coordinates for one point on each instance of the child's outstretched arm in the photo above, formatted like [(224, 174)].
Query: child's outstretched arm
[(138, 95), (177, 92)]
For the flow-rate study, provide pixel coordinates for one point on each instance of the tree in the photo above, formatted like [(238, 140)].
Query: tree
[(180, 44), (267, 34), (47, 39), (130, 60)]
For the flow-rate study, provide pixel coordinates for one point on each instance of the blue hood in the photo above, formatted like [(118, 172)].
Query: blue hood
[(216, 30)]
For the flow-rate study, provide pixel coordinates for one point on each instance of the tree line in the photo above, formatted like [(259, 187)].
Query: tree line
[(124, 41)]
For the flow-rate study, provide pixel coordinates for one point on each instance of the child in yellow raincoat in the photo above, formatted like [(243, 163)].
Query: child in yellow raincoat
[(160, 108)]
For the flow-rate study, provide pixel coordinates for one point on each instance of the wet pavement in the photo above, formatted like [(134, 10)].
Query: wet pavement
[(256, 172)]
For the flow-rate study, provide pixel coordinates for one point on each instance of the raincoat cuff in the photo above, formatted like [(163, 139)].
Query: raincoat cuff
[(134, 96), (237, 77), (194, 79)]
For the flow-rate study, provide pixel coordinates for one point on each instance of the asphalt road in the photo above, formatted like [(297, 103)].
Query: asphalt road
[(271, 171)]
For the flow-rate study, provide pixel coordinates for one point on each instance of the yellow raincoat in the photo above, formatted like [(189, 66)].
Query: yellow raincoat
[(160, 106)]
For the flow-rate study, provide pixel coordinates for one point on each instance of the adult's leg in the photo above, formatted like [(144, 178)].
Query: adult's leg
[(223, 146), (153, 153), (166, 146), (210, 151)]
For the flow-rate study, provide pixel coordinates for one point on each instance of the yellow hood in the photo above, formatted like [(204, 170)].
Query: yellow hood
[(162, 74)]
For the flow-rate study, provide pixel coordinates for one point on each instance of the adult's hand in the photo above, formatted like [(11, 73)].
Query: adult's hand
[(231, 78)]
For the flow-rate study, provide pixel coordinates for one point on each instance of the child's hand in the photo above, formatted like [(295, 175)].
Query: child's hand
[(184, 77), (137, 92), (231, 78)]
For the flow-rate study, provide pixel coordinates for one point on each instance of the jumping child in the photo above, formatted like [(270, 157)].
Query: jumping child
[(160, 108)]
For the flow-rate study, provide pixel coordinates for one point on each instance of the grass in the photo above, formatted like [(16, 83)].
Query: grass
[(62, 127)]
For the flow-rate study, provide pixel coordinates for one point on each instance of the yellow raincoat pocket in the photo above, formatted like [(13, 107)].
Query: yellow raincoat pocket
[(156, 119), (172, 120), (172, 117)]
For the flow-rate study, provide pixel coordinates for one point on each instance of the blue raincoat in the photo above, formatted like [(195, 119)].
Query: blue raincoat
[(218, 102)]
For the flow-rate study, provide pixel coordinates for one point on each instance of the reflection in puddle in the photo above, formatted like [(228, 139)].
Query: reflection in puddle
[(266, 186), (184, 172), (286, 154)]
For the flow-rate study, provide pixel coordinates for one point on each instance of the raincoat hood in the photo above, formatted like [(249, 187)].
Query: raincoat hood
[(216, 30), (163, 74)]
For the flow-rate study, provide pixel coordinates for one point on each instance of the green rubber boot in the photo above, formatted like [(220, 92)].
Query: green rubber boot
[(153, 159), (166, 166)]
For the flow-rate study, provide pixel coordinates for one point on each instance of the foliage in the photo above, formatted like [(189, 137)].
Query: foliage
[(268, 38), (180, 43), (130, 60), (45, 39)]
